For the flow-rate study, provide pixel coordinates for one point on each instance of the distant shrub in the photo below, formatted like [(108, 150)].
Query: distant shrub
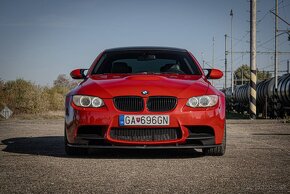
[(23, 96), (1, 94), (56, 97)]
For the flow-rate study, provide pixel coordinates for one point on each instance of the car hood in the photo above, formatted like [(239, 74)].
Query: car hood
[(108, 86)]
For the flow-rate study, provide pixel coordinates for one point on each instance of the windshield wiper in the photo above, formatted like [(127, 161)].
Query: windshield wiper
[(147, 73), (172, 73)]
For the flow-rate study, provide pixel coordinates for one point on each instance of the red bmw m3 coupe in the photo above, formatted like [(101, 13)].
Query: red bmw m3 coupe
[(145, 97)]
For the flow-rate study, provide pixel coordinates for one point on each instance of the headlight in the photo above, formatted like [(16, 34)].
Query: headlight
[(87, 101), (202, 101)]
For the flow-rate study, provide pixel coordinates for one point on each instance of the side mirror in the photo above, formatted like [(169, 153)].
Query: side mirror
[(214, 74), (78, 73)]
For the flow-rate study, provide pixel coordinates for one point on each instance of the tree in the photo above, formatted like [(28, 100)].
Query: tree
[(63, 81), (242, 75), (1, 93)]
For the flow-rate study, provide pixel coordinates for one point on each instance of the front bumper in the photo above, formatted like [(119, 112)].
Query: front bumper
[(199, 127)]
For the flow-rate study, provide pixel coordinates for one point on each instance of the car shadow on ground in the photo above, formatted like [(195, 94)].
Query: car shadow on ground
[(53, 146)]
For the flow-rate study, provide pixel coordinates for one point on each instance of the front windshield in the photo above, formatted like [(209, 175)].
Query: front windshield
[(146, 62)]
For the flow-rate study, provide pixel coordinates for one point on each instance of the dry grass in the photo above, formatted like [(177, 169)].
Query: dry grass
[(26, 99), (46, 115)]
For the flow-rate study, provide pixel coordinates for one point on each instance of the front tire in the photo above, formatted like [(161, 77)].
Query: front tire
[(220, 150)]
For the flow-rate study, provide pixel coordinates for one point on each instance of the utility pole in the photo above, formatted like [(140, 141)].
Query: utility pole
[(213, 52), (288, 67), (276, 45), (276, 61), (226, 61), (212, 55), (232, 70), (202, 60), (253, 66), (242, 76)]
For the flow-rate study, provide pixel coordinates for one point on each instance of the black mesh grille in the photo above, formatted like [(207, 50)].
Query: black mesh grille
[(129, 103), (161, 103), (145, 134)]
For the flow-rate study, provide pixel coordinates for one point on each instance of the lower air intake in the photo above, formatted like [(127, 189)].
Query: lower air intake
[(145, 134)]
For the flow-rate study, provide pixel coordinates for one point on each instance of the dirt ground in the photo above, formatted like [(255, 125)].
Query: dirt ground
[(32, 160)]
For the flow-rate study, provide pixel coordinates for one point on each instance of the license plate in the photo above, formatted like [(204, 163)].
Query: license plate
[(150, 120)]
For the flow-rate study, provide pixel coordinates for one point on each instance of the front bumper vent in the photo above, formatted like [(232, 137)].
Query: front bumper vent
[(145, 134)]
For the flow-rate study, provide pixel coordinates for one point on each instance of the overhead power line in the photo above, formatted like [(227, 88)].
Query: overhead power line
[(280, 18)]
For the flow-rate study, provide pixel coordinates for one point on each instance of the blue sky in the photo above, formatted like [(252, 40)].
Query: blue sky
[(40, 39)]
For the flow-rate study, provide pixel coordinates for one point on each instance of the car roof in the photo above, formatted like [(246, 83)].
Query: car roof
[(146, 48)]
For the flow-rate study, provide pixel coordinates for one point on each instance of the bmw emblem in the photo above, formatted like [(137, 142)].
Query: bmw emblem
[(145, 92)]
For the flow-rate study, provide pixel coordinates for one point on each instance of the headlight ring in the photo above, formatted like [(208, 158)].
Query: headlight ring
[(87, 101), (202, 101)]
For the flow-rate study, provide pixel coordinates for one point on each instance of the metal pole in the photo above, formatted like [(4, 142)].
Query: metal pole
[(242, 76), (276, 45), (213, 52), (266, 106), (226, 61), (253, 66), (288, 67), (212, 57), (202, 60), (276, 61), (232, 71)]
